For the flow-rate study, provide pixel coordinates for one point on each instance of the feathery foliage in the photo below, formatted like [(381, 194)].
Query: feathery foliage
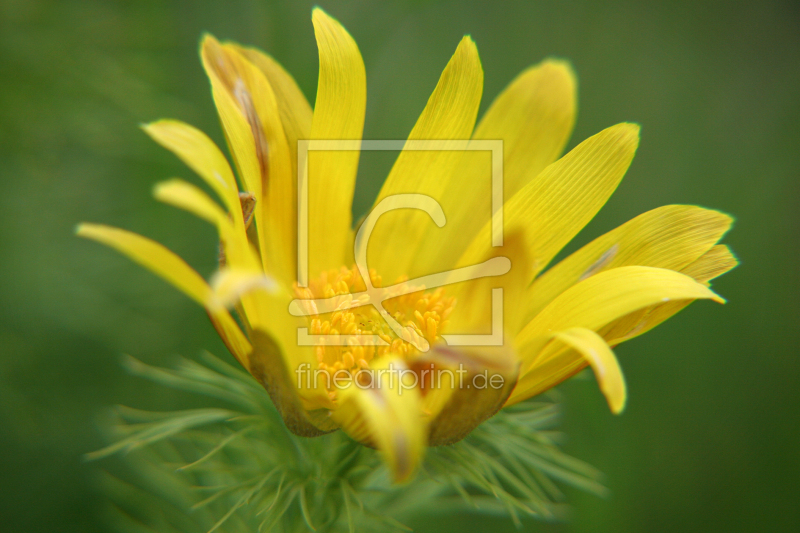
[(238, 469)]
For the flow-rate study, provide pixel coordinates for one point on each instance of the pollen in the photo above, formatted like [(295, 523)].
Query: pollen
[(426, 312)]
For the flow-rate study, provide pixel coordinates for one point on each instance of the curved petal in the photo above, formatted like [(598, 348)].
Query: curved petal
[(295, 111), (562, 199), (533, 117), (671, 236), (386, 414), (600, 299), (462, 387), (712, 264), (338, 115), (235, 245), (554, 364), (232, 285), (190, 198), (297, 393), (164, 263), (200, 153), (238, 131), (449, 115), (715, 262), (603, 362), (271, 180), (239, 256)]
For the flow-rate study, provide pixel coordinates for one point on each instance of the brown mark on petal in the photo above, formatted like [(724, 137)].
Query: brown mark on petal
[(473, 399), (248, 202), (245, 102)]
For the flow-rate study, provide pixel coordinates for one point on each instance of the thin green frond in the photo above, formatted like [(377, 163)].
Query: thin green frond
[(239, 470)]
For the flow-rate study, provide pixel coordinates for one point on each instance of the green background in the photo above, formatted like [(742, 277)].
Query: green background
[(709, 441)]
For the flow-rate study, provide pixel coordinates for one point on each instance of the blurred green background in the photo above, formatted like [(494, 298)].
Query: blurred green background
[(709, 438)]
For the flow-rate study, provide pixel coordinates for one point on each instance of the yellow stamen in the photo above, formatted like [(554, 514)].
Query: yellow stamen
[(422, 311)]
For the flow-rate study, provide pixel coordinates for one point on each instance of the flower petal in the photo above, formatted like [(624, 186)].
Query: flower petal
[(711, 264), (295, 111), (273, 185), (386, 415), (235, 245), (592, 304), (562, 199), (190, 198), (671, 236), (462, 387), (338, 115), (238, 131), (296, 117), (200, 153), (299, 397), (533, 117), (450, 114), (230, 285), (554, 364), (475, 309), (603, 362), (596, 301), (161, 261)]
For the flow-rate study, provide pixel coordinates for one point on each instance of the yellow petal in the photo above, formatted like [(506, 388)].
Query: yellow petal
[(386, 415), (190, 198), (533, 117), (670, 237), (603, 362), (562, 199), (240, 258), (277, 208), (338, 115), (231, 284), (295, 111), (186, 196), (553, 207), (450, 114), (548, 211), (554, 364), (299, 398), (237, 128), (200, 153), (174, 270), (151, 255), (711, 264), (604, 297), (296, 116), (273, 186), (714, 263), (475, 309), (463, 386)]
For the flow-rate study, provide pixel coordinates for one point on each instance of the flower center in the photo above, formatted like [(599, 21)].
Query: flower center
[(425, 312)]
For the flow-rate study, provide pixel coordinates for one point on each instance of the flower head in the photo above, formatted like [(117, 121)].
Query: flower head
[(389, 302)]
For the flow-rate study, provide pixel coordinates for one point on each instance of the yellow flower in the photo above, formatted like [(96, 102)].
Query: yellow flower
[(555, 322)]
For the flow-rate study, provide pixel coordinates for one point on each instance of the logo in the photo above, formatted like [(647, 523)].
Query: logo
[(375, 296)]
